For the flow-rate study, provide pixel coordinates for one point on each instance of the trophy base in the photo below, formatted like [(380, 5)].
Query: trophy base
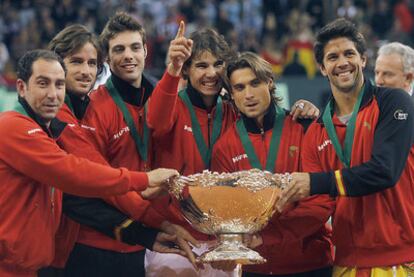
[(231, 248)]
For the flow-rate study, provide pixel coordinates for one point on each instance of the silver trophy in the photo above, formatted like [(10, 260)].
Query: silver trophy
[(228, 205)]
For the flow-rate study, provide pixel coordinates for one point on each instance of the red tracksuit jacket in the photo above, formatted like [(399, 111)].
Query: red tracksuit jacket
[(175, 146), (297, 240), (30, 207), (373, 224), (113, 140)]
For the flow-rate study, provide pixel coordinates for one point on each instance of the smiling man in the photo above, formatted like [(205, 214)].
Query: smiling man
[(394, 67), (361, 152), (115, 119), (34, 168)]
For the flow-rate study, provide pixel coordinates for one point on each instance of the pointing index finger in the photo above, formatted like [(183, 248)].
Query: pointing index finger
[(181, 30)]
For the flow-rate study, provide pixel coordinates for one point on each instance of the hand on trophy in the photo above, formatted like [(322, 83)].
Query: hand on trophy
[(179, 51), (166, 243), (152, 193), (298, 187), (161, 177), (184, 240)]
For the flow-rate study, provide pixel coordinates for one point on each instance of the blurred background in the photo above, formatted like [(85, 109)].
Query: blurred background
[(281, 31)]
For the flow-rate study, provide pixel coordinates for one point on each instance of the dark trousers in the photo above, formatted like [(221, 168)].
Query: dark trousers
[(86, 261), (51, 272), (322, 272)]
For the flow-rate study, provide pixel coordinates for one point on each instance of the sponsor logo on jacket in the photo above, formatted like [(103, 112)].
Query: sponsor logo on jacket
[(400, 115), (188, 128), (88, 127), (121, 132), (239, 158), (324, 144), (32, 131)]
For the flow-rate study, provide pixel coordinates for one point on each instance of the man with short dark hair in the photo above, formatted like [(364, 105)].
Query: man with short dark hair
[(361, 152), (265, 137), (116, 113), (83, 58), (33, 164)]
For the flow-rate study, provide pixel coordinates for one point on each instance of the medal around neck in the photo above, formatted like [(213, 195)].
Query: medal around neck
[(228, 205)]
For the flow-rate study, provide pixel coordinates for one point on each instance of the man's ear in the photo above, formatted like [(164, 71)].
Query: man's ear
[(184, 72), (21, 87), (270, 84), (409, 78), (145, 51), (323, 70), (364, 59)]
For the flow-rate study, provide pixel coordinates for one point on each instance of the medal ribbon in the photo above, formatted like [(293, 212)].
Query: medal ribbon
[(141, 144), (343, 154), (274, 142), (205, 152)]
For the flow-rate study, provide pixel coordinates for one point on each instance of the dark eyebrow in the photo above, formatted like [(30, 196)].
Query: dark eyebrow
[(41, 77), (201, 63)]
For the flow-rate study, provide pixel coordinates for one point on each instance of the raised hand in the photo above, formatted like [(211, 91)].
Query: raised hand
[(179, 51)]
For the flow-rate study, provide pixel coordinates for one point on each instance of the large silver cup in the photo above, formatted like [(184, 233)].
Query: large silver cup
[(228, 205)]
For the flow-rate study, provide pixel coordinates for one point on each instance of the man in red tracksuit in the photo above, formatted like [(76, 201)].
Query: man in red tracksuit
[(116, 115), (186, 125), (33, 165), (361, 151), (79, 48), (296, 242)]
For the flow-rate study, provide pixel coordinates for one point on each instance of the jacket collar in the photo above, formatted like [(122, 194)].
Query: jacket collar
[(366, 98), (132, 95), (268, 121), (56, 126), (78, 104), (195, 97)]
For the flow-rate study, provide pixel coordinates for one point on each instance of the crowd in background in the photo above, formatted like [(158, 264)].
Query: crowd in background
[(281, 31)]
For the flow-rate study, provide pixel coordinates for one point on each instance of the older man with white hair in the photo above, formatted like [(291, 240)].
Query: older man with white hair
[(394, 66)]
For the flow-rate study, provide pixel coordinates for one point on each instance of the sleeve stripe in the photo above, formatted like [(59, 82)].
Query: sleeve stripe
[(339, 183), (119, 228)]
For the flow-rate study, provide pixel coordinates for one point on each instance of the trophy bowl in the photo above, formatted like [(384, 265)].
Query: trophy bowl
[(228, 206)]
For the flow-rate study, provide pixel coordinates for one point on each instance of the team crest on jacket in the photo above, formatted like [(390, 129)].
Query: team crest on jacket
[(400, 115), (293, 149), (367, 125)]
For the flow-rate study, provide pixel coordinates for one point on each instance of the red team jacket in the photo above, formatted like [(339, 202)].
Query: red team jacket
[(298, 239), (374, 220), (175, 146), (113, 140), (30, 207)]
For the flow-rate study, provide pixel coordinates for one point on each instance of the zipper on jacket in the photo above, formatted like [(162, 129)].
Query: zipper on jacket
[(52, 199), (262, 133), (208, 128)]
